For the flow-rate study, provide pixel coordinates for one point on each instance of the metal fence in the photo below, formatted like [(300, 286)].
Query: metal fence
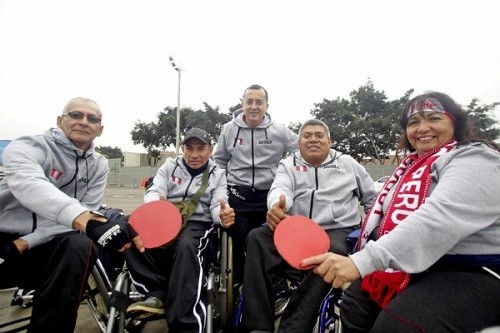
[(137, 176)]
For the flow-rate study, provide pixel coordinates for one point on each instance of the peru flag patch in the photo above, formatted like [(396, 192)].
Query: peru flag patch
[(176, 180), (56, 174), (302, 168)]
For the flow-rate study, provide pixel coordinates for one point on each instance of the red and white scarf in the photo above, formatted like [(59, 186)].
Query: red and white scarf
[(409, 194)]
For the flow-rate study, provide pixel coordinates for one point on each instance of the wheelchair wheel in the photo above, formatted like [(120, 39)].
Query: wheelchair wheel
[(225, 288), (220, 287), (328, 320), (96, 297), (228, 304)]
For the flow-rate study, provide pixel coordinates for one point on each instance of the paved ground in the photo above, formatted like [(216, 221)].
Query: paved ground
[(126, 198)]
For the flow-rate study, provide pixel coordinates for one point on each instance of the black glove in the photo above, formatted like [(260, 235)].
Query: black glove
[(111, 235), (9, 253), (110, 213)]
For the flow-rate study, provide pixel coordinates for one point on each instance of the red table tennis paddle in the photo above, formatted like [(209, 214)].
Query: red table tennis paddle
[(297, 237), (156, 222)]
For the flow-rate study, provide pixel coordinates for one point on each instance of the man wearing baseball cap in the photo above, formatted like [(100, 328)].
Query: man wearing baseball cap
[(199, 134), (171, 276)]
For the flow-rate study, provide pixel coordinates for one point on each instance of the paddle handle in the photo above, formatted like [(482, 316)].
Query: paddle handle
[(345, 285)]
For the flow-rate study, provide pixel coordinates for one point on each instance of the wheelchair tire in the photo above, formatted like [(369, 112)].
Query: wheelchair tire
[(225, 289), (96, 296)]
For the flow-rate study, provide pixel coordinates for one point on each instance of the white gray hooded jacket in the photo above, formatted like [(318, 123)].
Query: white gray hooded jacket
[(251, 156), (329, 194), (48, 183), (174, 182)]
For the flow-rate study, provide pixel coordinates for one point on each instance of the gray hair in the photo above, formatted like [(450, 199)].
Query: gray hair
[(83, 99), (314, 122)]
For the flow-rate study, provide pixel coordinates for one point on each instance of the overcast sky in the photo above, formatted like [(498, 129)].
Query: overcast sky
[(116, 52)]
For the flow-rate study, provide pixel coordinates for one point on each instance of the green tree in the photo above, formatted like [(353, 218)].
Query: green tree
[(162, 134), (210, 119), (145, 134), (482, 120), (365, 125), (109, 152)]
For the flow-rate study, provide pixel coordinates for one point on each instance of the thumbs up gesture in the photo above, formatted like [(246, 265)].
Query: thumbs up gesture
[(277, 213), (226, 215)]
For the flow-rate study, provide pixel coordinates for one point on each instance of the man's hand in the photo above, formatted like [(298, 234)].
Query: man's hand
[(226, 215), (114, 235), (277, 213), (80, 223), (9, 253)]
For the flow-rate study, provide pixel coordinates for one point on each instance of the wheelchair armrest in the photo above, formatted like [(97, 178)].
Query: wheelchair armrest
[(352, 239)]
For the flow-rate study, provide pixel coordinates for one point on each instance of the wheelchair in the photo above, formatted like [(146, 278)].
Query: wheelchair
[(109, 300), (328, 319), (22, 301), (109, 291)]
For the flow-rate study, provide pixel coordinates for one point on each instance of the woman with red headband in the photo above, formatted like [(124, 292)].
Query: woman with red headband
[(428, 258)]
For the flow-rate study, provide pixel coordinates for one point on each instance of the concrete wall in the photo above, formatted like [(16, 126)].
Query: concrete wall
[(130, 176), (378, 171), (134, 159)]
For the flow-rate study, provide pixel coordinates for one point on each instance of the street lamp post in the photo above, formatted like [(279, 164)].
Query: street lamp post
[(178, 124)]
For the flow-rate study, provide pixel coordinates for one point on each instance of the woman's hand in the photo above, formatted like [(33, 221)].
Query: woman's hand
[(334, 268)]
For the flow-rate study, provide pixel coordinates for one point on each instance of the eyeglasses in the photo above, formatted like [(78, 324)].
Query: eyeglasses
[(77, 115)]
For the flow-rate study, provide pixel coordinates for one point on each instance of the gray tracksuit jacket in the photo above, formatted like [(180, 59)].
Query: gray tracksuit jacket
[(461, 215), (174, 182), (329, 194), (48, 183), (251, 156)]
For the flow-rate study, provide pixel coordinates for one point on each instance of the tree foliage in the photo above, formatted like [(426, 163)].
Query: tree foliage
[(162, 134), (109, 152), (482, 120), (365, 125)]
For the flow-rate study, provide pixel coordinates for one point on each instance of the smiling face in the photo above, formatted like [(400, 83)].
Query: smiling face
[(428, 130), (81, 122), (254, 106), (196, 153), (314, 144)]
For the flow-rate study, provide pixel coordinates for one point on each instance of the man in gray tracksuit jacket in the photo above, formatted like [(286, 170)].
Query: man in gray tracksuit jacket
[(319, 183), (249, 148), (172, 277), (49, 182), (52, 182)]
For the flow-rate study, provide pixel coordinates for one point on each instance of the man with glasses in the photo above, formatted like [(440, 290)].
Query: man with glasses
[(52, 183)]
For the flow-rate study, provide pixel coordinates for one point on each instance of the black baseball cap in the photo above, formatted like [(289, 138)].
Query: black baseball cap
[(197, 133)]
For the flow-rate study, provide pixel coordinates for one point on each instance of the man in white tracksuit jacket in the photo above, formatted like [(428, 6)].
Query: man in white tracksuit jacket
[(319, 183)]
